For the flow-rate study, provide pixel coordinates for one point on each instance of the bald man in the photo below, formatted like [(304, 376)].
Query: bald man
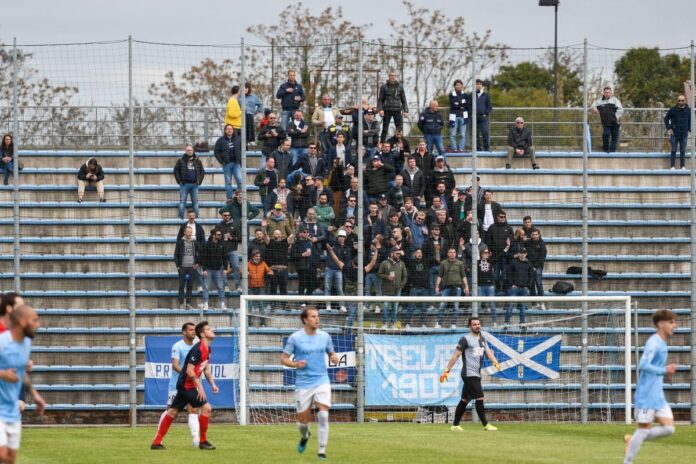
[(15, 349)]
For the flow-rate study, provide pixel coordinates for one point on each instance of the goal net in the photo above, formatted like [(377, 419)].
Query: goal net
[(568, 361)]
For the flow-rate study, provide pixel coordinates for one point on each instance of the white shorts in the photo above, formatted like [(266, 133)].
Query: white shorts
[(647, 416), (321, 394), (10, 433)]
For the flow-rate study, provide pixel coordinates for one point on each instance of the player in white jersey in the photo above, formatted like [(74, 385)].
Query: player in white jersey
[(306, 351), (649, 403), (179, 351)]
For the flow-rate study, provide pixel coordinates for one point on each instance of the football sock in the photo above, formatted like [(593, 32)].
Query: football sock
[(162, 417), (481, 411), (660, 431), (323, 430), (203, 422), (634, 445), (304, 429), (459, 412), (163, 429), (193, 426)]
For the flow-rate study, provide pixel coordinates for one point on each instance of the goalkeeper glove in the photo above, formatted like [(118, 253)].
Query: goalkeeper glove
[(497, 365), (445, 376)]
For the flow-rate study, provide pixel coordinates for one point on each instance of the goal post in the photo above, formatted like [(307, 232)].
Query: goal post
[(570, 329)]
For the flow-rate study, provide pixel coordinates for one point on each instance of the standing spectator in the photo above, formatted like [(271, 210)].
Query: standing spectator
[(198, 234), (233, 114), (414, 180), (400, 144), (91, 174), (337, 260), (459, 207), (370, 133), (231, 238), (374, 223), (339, 127), (378, 253), (266, 180), (277, 220), (486, 282), (265, 119), (610, 111), (467, 254), (389, 157), (189, 174), (258, 270), (520, 143), (484, 107), (324, 211), (291, 95), (521, 278), (376, 178), (499, 240), (415, 225), (313, 164), (355, 113), (417, 268), (234, 207), (430, 124), (519, 241), (214, 265), (253, 106), (272, 135), (424, 160), (527, 226), (323, 118), (537, 256), (678, 124), (277, 250), (298, 131), (435, 251), (259, 242), (398, 193), (441, 173), (339, 152), (306, 260), (7, 157), (283, 159), (385, 210), (394, 276), (282, 194), (488, 210), (186, 258), (458, 116), (228, 152), (391, 103), (451, 281)]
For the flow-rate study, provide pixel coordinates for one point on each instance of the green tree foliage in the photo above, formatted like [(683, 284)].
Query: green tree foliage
[(645, 77)]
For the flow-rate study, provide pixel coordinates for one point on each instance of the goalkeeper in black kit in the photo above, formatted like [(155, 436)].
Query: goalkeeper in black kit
[(472, 346)]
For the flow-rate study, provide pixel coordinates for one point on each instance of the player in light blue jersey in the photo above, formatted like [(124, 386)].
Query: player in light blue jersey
[(649, 403), (15, 348), (306, 351), (179, 351)]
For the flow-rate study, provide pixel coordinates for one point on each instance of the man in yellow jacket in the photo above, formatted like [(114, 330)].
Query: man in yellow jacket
[(233, 115)]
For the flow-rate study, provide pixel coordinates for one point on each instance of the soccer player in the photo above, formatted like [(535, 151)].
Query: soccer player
[(473, 346), (308, 347), (649, 403), (189, 389), (179, 351), (15, 348)]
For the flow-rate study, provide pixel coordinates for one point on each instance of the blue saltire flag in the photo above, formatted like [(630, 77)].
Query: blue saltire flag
[(524, 358)]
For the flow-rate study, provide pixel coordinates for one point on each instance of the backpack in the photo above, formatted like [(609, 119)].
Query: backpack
[(562, 287)]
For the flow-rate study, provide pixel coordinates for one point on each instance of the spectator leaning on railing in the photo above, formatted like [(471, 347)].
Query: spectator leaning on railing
[(91, 174), (520, 143), (678, 124)]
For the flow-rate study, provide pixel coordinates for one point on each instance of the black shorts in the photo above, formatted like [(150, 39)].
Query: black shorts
[(471, 389), (184, 397)]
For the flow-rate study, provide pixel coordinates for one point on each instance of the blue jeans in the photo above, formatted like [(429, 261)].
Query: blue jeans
[(233, 258), (610, 132), (678, 141), (256, 305), (516, 291), (499, 271), (432, 278), (373, 282), (483, 130), (296, 153), (8, 168), (333, 279), (417, 309), (488, 290), (184, 191), (459, 128), (449, 291), (232, 169), (435, 139), (538, 287), (390, 310), (218, 278), (285, 118)]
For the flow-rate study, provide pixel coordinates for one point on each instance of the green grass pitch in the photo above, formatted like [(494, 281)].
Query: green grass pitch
[(351, 443)]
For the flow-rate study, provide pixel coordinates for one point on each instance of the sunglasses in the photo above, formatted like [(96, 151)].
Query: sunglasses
[(681, 101)]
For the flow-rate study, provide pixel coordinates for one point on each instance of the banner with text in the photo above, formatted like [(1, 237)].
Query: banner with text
[(224, 366)]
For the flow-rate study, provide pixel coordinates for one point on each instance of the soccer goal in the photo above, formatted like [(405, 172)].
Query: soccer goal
[(567, 360)]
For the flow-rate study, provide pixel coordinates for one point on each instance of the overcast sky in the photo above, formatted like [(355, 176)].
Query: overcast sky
[(612, 23)]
